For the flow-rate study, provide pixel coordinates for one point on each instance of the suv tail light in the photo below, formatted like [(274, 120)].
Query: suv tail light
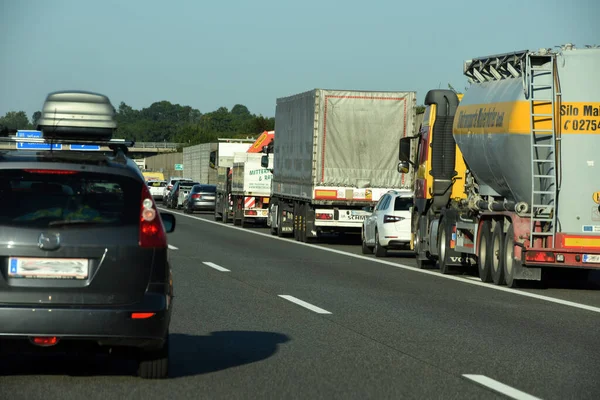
[(152, 231), (51, 171), (392, 218), (196, 196)]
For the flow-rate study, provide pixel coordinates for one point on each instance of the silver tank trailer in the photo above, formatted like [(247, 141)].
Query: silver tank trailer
[(492, 128)]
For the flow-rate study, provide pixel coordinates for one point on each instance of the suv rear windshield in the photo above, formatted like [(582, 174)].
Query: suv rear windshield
[(174, 181), (34, 198), (204, 189)]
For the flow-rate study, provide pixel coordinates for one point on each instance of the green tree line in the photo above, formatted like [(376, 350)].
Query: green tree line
[(164, 121)]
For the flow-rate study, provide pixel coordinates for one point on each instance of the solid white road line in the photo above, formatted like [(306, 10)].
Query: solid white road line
[(500, 387), (215, 266), (173, 247), (304, 304), (408, 267)]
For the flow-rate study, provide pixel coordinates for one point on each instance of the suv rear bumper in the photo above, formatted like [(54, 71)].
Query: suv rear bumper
[(107, 326)]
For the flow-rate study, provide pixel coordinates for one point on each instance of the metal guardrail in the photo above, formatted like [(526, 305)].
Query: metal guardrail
[(157, 145)]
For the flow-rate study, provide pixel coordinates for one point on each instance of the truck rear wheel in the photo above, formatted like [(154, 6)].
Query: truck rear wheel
[(423, 261), (509, 258), (498, 260), (484, 254), (279, 218), (442, 247), (225, 214)]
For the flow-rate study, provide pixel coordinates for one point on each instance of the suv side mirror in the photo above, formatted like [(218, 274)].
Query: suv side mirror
[(168, 221)]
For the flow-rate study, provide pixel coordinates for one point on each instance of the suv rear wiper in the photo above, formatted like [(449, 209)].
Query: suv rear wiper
[(64, 222)]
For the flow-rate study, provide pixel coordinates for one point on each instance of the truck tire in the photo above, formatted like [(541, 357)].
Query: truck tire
[(509, 258), (225, 218), (442, 247), (498, 260), (279, 218), (423, 262), (484, 253)]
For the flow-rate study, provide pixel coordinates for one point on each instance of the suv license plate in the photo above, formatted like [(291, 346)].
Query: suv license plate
[(47, 268)]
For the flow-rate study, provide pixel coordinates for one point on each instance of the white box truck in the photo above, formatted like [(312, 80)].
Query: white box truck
[(201, 161), (250, 188), (335, 155)]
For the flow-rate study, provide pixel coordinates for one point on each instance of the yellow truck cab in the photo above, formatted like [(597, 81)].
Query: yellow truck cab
[(439, 171)]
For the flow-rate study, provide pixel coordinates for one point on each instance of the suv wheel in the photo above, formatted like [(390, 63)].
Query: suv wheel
[(154, 364)]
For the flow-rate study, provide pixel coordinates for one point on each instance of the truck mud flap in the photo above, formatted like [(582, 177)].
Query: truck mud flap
[(286, 219), (311, 229)]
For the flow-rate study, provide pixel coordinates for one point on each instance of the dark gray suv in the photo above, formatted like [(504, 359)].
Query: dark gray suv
[(83, 250)]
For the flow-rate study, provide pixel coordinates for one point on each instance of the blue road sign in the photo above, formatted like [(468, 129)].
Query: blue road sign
[(29, 134), (38, 146), (85, 147), (34, 146)]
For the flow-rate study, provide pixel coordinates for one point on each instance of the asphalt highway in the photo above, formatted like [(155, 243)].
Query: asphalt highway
[(257, 316)]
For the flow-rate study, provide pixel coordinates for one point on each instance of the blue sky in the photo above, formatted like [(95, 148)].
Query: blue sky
[(221, 53)]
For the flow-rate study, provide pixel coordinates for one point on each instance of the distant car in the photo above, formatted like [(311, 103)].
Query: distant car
[(174, 200), (171, 182), (201, 198), (157, 189), (389, 226), (83, 249)]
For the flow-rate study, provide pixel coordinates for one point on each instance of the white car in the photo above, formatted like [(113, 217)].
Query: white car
[(389, 225), (157, 189)]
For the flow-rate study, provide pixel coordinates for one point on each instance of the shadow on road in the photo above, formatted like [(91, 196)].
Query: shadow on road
[(189, 355), (194, 355)]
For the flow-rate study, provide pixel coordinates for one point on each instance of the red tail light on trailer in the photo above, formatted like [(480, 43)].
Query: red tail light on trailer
[(539, 256)]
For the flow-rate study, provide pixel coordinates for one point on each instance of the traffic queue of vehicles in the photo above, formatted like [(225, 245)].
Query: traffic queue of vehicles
[(500, 179)]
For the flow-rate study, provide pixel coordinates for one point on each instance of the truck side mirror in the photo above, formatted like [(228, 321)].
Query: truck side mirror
[(403, 167), (264, 161), (404, 150)]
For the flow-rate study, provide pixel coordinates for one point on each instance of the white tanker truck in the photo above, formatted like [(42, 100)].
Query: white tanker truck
[(513, 186)]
